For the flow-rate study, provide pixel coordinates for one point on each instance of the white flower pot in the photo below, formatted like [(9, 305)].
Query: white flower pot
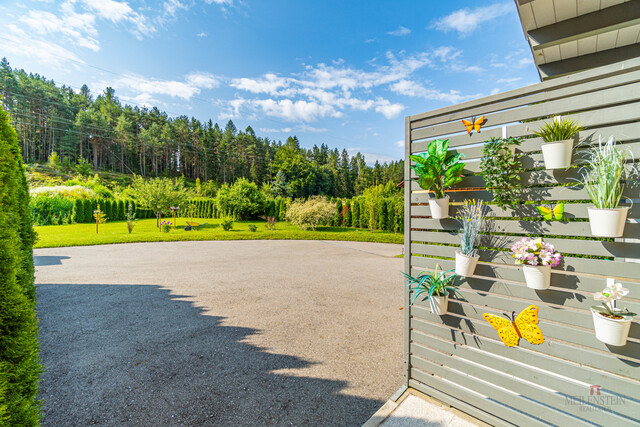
[(611, 331), (537, 276), (557, 154), (438, 304), (439, 208), (465, 264), (607, 222)]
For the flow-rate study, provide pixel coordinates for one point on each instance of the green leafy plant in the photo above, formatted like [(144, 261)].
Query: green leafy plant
[(226, 223), (253, 228), (312, 213), (431, 283), (558, 130), (471, 218), (131, 217), (100, 217), (165, 226), (605, 174), (501, 170), (437, 169)]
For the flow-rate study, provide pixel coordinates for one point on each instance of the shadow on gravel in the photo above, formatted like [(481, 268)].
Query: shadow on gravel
[(136, 355)]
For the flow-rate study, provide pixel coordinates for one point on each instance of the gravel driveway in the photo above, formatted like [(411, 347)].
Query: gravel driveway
[(225, 333)]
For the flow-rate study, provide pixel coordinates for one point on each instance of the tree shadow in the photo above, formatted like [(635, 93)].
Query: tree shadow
[(138, 355), (42, 260)]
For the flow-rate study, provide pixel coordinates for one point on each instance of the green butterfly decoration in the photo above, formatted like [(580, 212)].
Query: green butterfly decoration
[(551, 214)]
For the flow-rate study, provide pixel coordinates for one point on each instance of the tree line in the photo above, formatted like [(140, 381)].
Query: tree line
[(82, 128)]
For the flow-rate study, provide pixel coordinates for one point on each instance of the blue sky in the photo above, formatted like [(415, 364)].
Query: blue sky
[(344, 73)]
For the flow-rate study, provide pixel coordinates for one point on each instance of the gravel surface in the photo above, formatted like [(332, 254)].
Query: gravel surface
[(224, 333)]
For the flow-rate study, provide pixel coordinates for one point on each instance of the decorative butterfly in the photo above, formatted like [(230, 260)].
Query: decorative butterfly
[(550, 214), (510, 330), (473, 124)]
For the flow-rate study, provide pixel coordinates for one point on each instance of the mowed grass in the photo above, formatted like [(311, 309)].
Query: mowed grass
[(52, 236)]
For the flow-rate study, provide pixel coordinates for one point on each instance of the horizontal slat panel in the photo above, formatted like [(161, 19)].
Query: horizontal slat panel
[(565, 246), (551, 346), (532, 366), (572, 273), (565, 414), (594, 118), (559, 228), (425, 359), (519, 97), (488, 389), (558, 366), (571, 210), (493, 408), (585, 101), (551, 327)]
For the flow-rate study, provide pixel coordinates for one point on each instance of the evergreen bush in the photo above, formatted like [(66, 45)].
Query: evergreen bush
[(19, 361)]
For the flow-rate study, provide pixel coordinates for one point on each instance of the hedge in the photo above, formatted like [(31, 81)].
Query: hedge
[(19, 350)]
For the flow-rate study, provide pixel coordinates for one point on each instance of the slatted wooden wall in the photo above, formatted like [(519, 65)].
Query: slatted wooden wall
[(458, 358)]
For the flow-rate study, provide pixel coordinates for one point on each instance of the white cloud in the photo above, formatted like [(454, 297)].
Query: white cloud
[(415, 89), (272, 130), (145, 88), (311, 129), (400, 143), (466, 21), (509, 80), (77, 28), (269, 84), (295, 110), (400, 31), (19, 43), (388, 109), (221, 2), (371, 158), (202, 34)]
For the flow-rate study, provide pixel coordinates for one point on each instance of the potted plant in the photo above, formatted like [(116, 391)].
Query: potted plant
[(558, 136), (501, 167), (471, 220), (436, 287), (536, 258), (438, 170), (610, 323), (604, 181)]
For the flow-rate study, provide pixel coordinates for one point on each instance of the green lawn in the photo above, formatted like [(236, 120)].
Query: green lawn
[(52, 236)]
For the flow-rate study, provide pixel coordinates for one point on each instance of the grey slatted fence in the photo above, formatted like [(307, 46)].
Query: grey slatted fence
[(458, 358)]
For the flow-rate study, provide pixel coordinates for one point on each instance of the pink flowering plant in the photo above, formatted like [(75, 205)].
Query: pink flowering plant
[(608, 296), (533, 251)]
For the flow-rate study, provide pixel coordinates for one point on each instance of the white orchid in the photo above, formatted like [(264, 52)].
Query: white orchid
[(613, 292)]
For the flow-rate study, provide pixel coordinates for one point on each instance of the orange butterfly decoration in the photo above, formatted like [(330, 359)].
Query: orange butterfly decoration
[(473, 124)]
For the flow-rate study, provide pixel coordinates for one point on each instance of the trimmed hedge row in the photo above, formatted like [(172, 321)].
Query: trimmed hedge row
[(202, 207), (388, 216), (19, 350), (115, 210)]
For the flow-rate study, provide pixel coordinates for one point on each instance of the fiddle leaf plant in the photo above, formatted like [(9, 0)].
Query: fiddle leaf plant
[(437, 169), (501, 168)]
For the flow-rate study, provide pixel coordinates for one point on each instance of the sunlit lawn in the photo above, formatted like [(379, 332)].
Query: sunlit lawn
[(145, 231)]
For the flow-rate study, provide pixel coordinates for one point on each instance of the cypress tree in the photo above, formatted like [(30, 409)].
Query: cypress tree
[(121, 210), (338, 218), (346, 221), (19, 362), (77, 210), (355, 217)]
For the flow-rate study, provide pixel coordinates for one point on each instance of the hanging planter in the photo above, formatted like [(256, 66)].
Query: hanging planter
[(557, 154), (439, 208), (465, 264), (607, 222), (610, 323), (434, 286), (437, 170), (537, 276), (439, 304), (558, 138), (536, 258), (604, 179)]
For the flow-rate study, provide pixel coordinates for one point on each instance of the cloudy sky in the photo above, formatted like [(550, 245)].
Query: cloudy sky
[(344, 73)]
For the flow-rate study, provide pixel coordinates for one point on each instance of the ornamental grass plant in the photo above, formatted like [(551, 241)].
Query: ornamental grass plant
[(471, 218), (605, 174), (430, 283)]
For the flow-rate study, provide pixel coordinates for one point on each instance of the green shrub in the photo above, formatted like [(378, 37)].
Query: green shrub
[(253, 228), (19, 362), (242, 200), (46, 206), (226, 223), (355, 216), (312, 213)]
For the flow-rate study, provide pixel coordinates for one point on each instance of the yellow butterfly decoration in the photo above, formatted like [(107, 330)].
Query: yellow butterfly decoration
[(524, 326), (473, 124), (549, 214)]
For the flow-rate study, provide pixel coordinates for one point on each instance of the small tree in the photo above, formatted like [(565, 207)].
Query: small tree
[(372, 197), (271, 222), (131, 217), (54, 162), (159, 194), (99, 217), (312, 213), (279, 186), (242, 200)]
